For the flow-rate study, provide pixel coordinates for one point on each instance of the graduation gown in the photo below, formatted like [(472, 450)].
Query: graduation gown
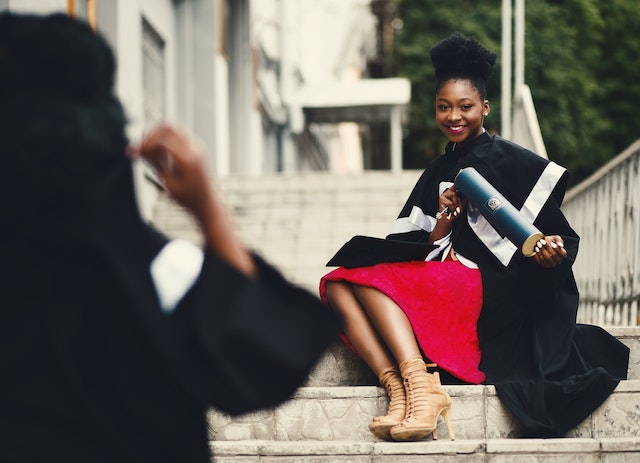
[(92, 369), (550, 372), (98, 361)]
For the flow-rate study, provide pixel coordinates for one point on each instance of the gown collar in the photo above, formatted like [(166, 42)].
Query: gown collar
[(459, 151)]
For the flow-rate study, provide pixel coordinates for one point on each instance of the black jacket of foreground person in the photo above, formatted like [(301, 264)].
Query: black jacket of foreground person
[(108, 352)]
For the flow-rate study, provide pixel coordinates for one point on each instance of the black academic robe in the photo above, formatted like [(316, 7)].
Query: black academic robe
[(549, 372), (91, 369)]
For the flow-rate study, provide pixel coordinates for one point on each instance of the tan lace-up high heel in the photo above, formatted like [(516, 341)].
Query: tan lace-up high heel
[(391, 380), (426, 401)]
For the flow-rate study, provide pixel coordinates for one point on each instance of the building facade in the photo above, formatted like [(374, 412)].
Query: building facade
[(266, 85)]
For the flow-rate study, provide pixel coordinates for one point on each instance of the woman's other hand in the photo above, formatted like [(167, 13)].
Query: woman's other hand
[(451, 205), (179, 163), (549, 251)]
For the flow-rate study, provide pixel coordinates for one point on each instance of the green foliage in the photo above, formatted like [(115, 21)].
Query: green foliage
[(579, 63), (425, 22), (617, 74)]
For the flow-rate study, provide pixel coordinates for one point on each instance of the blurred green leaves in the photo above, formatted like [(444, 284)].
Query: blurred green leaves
[(581, 63)]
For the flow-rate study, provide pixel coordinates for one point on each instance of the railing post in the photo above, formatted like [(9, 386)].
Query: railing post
[(396, 138)]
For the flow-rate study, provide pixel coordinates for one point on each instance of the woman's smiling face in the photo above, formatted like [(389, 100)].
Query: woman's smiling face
[(460, 110)]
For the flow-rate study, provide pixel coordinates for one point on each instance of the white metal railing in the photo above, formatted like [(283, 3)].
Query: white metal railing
[(605, 211), (525, 129)]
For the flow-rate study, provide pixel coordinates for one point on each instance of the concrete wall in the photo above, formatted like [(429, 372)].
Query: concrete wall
[(35, 6), (121, 22)]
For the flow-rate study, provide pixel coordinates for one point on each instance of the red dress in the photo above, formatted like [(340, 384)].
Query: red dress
[(442, 301)]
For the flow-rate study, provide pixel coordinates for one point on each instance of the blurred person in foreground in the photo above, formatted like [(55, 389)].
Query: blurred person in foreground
[(114, 340)]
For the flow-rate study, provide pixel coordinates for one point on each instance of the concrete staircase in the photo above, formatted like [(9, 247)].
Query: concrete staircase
[(297, 223)]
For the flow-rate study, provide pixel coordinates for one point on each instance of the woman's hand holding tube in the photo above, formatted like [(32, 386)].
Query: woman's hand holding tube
[(549, 251)]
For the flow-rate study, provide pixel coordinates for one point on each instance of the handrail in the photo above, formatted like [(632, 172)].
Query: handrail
[(605, 211)]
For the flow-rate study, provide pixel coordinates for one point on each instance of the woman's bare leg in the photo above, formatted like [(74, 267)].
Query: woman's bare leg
[(390, 322), (358, 327), (381, 332), (376, 326)]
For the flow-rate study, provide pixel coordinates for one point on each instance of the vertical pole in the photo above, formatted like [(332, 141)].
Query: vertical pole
[(287, 44), (506, 69), (396, 139), (288, 15), (519, 49)]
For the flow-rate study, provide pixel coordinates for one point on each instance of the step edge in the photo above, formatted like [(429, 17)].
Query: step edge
[(467, 390), (462, 446)]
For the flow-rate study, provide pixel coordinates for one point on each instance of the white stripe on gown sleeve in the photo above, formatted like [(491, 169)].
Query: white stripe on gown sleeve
[(174, 271), (417, 219)]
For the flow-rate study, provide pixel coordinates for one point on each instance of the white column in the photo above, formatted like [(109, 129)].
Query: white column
[(288, 43), (396, 138), (506, 69), (519, 46)]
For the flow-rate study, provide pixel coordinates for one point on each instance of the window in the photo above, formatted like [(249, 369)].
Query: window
[(153, 75), (153, 84), (84, 10)]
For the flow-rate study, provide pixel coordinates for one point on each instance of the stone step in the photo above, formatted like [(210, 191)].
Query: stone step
[(297, 222), (341, 367), (319, 181), (583, 450), (328, 409), (344, 413)]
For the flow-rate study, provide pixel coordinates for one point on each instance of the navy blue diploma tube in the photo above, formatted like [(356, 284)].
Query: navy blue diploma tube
[(500, 213)]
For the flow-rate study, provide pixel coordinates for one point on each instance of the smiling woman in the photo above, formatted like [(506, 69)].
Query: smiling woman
[(460, 111), (478, 308), (462, 69)]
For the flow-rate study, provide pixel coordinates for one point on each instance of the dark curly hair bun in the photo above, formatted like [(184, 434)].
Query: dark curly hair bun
[(63, 127), (462, 57), (56, 52)]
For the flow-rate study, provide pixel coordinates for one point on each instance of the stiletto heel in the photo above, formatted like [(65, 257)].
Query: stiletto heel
[(446, 414), (391, 380), (426, 401)]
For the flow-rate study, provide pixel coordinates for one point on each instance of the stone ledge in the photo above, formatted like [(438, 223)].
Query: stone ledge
[(479, 447), (630, 385), (430, 447), (334, 392), (623, 331), (343, 414), (339, 392), (566, 445), (620, 444), (341, 367)]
